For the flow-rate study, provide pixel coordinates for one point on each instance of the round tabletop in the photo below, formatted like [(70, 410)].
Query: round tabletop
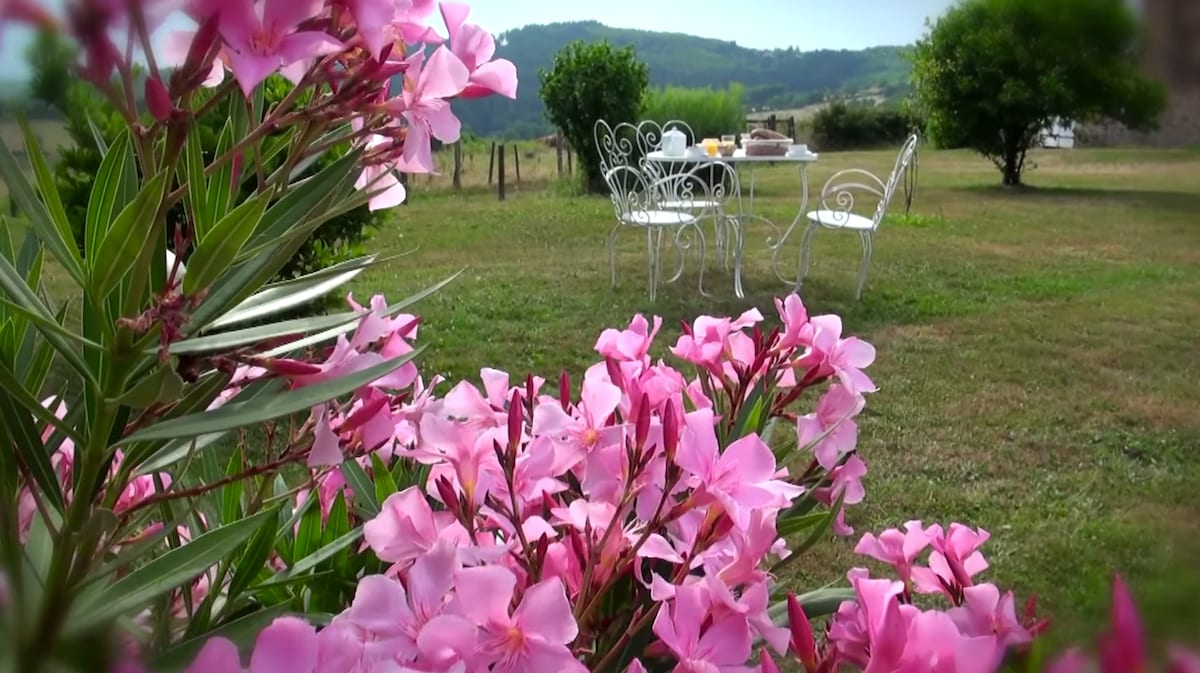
[(739, 156)]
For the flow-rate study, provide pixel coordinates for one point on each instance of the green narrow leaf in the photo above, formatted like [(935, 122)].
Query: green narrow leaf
[(199, 395), (26, 303), (337, 526), (21, 191), (36, 365), (287, 214), (220, 186), (27, 441), (384, 484), (48, 325), (364, 491), (127, 237), (161, 386), (750, 415), (166, 572), (241, 631), (97, 136), (235, 415), (819, 603), (819, 530), (231, 493), (253, 559), (45, 182), (20, 395), (196, 196), (175, 449), (278, 297), (228, 340), (216, 252), (326, 552), (109, 194), (308, 537)]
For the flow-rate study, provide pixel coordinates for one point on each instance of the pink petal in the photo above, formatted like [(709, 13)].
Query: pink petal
[(498, 77), (325, 449), (454, 14), (697, 452), (727, 641), (544, 611), (379, 604), (288, 645), (442, 76), (217, 656), (307, 45), (285, 15), (600, 398), (483, 593), (251, 69), (447, 636), (753, 458), (443, 124)]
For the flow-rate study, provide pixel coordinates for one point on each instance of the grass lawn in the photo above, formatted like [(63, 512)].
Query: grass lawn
[(1037, 350)]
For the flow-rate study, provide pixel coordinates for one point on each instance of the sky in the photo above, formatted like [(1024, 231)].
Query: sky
[(759, 24)]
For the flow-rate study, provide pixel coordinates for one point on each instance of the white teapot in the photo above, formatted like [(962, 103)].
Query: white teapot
[(674, 142)]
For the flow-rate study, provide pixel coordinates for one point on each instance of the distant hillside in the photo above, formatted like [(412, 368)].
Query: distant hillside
[(779, 78)]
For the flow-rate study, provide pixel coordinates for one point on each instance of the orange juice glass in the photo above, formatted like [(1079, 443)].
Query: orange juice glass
[(710, 146)]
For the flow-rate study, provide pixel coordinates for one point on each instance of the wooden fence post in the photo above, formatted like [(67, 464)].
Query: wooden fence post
[(558, 147), (517, 162), (771, 121), (500, 173), (491, 162), (458, 165), (407, 192), (792, 128)]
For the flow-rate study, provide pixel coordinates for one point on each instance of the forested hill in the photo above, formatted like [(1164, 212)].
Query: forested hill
[(779, 78)]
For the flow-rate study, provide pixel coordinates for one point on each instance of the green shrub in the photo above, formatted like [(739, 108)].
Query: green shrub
[(843, 125), (710, 112), (85, 113), (589, 82)]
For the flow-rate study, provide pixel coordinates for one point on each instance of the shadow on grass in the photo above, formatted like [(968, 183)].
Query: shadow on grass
[(1179, 202)]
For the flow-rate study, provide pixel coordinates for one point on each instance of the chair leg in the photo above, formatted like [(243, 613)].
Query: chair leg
[(866, 262), (612, 255), (739, 243), (702, 257), (652, 254), (806, 253)]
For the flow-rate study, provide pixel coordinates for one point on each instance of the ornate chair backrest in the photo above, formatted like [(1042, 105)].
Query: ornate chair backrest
[(838, 195), (616, 145)]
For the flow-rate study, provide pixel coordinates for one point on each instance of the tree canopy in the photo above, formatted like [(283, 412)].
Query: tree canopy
[(992, 74)]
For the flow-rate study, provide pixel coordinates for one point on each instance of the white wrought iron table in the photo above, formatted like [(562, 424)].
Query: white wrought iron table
[(746, 210)]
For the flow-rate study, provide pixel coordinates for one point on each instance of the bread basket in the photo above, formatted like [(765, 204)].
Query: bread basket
[(773, 147)]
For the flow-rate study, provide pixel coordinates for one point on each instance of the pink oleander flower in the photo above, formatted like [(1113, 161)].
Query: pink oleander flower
[(407, 527), (831, 430), (708, 340), (898, 548), (475, 47), (794, 317), (427, 85), (955, 559), (986, 612), (574, 437), (263, 36), (631, 344), (534, 637), (722, 647), (844, 358), (379, 177), (741, 478), (373, 19)]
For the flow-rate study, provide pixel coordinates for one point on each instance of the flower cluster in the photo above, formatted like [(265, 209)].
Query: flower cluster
[(378, 64), (554, 529)]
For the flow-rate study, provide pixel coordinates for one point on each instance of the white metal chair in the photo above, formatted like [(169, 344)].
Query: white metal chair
[(838, 214), (638, 202), (649, 139)]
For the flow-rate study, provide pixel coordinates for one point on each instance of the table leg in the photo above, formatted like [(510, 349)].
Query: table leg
[(800, 215)]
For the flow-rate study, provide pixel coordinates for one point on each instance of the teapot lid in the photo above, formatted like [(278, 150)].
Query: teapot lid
[(673, 132)]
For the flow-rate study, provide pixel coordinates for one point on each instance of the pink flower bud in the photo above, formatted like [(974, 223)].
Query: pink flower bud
[(670, 431), (516, 421), (289, 367), (564, 391), (642, 428), (767, 663), (803, 644), (157, 99)]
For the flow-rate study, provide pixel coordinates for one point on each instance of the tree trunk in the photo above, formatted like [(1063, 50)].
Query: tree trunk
[(1013, 158)]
